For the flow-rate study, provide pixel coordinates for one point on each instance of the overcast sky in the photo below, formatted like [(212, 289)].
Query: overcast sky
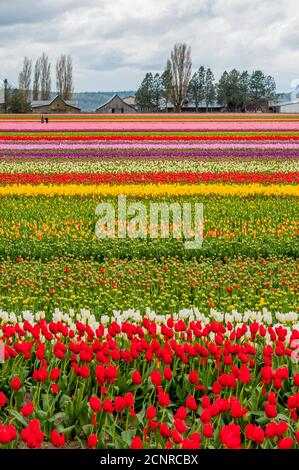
[(115, 42)]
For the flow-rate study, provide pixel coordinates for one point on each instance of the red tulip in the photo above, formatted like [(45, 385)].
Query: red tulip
[(57, 439), (136, 443), (16, 383), (92, 441)]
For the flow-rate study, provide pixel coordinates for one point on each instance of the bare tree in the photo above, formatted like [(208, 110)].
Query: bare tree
[(179, 66), (60, 70), (36, 79), (64, 76), (68, 89), (45, 77), (25, 78)]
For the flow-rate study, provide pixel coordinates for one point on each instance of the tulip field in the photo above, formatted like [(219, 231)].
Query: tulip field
[(138, 342)]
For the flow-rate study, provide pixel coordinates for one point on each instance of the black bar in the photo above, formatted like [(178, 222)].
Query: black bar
[(64, 458)]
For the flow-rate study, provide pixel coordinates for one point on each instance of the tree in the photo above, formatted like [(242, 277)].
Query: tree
[(157, 91), (166, 87), (17, 101), (196, 87), (270, 88), (209, 88), (179, 66), (45, 77), (144, 94), (64, 76), (5, 94), (25, 78), (261, 89), (36, 79), (232, 90), (68, 88), (222, 89), (60, 71), (244, 89)]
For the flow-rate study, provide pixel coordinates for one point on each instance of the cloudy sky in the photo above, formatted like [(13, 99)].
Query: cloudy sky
[(114, 42)]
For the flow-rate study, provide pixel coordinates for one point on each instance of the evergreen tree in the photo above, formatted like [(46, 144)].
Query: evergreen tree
[(157, 91), (233, 90), (196, 88), (244, 89), (261, 89), (209, 88), (144, 94), (166, 87), (17, 102)]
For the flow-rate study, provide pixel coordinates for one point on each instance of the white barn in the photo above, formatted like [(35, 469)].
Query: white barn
[(2, 94), (288, 107), (116, 105), (291, 106)]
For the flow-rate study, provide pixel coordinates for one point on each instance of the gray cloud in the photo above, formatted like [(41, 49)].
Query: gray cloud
[(113, 43), (35, 11)]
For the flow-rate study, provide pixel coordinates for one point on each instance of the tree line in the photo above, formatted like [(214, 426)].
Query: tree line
[(35, 82), (177, 86), (41, 84)]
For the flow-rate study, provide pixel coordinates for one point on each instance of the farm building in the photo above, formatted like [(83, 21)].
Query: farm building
[(116, 105), (287, 107), (54, 105), (2, 96), (189, 107), (286, 102), (130, 100)]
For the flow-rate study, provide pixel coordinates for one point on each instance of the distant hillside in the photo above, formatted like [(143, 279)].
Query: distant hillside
[(90, 101)]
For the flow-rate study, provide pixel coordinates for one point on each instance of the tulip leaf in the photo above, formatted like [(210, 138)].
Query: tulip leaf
[(18, 417), (127, 436)]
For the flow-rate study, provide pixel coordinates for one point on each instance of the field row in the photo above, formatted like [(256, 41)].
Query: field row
[(57, 164), (151, 136), (43, 227), (152, 126), (158, 117), (179, 384), (165, 286)]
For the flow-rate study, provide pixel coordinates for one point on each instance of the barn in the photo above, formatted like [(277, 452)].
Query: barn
[(288, 107), (130, 100), (2, 96), (54, 105), (190, 107), (116, 105)]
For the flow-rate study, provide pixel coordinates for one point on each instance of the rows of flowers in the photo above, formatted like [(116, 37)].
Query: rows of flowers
[(140, 125), (148, 383), (150, 190), (126, 178), (115, 165), (147, 153), (286, 146), (165, 117), (165, 286), (150, 136), (119, 343), (45, 227)]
